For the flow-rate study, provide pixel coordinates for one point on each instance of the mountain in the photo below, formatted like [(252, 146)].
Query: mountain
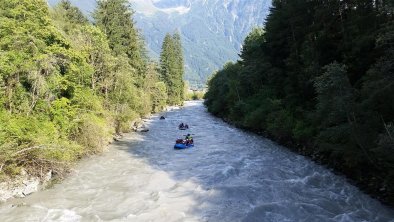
[(86, 6), (212, 30)]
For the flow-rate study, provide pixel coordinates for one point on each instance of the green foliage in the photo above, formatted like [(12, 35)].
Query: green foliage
[(172, 68), (66, 86), (62, 114), (223, 85), (160, 95), (194, 95), (320, 75), (280, 124), (92, 132), (335, 96), (72, 13), (303, 131), (114, 18), (12, 170)]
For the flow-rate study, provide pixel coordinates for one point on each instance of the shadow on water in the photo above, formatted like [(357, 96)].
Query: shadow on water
[(229, 175), (235, 176)]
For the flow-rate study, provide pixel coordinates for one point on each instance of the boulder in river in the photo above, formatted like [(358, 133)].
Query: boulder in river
[(143, 129)]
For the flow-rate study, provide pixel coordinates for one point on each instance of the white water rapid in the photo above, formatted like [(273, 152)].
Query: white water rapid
[(229, 175)]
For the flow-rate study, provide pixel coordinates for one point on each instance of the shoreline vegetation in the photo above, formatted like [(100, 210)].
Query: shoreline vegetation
[(69, 87), (302, 149), (318, 78), (194, 95)]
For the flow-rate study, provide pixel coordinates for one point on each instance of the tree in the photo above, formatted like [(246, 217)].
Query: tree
[(320, 78), (114, 18), (172, 68), (64, 89), (180, 70), (72, 14)]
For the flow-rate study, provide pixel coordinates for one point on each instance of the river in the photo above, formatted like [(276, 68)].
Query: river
[(229, 175)]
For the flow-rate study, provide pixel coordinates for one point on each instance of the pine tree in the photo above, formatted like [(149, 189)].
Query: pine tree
[(322, 73), (64, 89), (114, 17), (167, 67), (72, 13), (172, 71), (178, 50)]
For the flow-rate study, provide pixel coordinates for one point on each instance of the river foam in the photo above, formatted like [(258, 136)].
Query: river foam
[(229, 175)]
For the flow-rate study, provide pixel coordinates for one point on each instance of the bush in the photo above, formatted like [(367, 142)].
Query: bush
[(280, 124), (256, 119), (63, 89), (12, 170), (93, 133), (303, 131), (238, 111), (195, 95)]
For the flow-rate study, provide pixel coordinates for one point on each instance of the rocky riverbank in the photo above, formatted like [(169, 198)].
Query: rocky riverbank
[(24, 184)]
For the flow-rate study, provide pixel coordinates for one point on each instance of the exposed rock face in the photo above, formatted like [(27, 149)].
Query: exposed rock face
[(22, 186), (212, 30), (139, 126)]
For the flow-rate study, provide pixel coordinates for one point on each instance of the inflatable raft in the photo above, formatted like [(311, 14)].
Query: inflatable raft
[(181, 144)]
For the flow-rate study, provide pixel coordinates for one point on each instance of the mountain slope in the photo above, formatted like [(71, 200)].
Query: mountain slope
[(212, 30)]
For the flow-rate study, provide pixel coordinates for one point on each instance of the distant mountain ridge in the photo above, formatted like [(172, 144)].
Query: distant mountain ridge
[(212, 30)]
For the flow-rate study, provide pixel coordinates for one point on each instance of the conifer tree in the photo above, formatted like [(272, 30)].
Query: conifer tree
[(180, 70), (172, 71), (72, 13), (114, 17), (321, 73), (65, 85)]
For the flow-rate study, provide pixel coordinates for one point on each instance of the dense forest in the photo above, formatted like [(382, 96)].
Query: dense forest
[(67, 85), (319, 77)]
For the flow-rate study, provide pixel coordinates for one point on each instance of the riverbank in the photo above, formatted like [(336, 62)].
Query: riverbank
[(230, 175), (24, 181), (369, 182), (30, 179)]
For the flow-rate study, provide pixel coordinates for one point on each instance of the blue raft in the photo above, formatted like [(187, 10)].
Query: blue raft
[(180, 146)]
